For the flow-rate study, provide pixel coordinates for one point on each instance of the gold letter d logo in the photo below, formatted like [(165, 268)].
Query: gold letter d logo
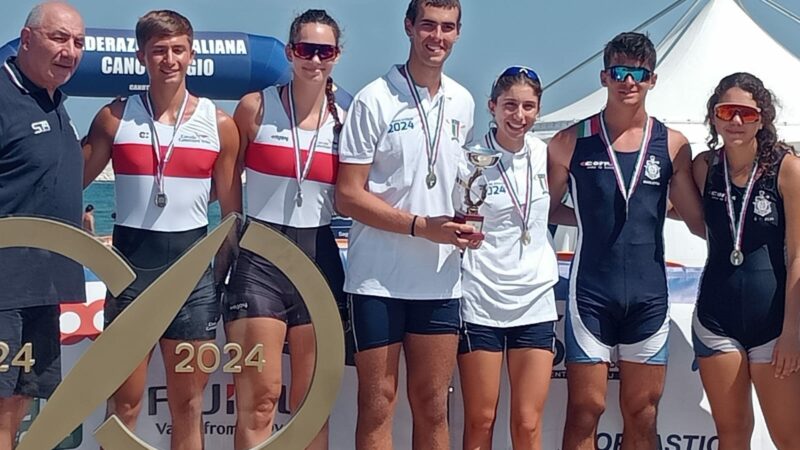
[(126, 342)]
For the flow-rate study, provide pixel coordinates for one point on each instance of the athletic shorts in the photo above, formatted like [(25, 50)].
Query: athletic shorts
[(257, 288), (707, 343), (633, 332), (381, 321), (39, 326), (150, 254), (494, 339)]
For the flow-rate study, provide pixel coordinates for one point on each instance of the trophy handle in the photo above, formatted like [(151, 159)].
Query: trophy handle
[(472, 206)]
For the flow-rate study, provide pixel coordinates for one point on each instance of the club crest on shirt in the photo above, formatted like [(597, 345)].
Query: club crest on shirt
[(762, 206), (652, 171)]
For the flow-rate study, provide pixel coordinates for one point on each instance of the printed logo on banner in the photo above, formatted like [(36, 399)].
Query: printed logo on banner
[(613, 441), (77, 395), (74, 440)]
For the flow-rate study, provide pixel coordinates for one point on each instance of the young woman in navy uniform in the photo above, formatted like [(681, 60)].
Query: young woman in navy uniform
[(746, 328)]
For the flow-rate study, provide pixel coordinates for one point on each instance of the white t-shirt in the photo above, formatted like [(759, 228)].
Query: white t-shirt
[(383, 128), (507, 283)]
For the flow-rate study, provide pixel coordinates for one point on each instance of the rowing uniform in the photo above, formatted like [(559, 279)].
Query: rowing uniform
[(257, 288), (400, 283), (618, 285), (507, 282), (151, 237), (740, 308)]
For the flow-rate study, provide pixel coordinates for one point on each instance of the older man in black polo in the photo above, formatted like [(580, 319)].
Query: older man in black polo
[(41, 171)]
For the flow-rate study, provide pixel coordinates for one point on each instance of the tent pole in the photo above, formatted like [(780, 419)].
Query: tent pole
[(679, 25), (678, 37), (592, 58), (781, 9)]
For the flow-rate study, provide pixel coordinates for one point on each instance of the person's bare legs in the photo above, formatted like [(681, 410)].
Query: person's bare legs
[(430, 360), (586, 401), (641, 386), (479, 372), (377, 394), (126, 401), (778, 399), (185, 394), (257, 391), (302, 353), (529, 371), (12, 410), (726, 380)]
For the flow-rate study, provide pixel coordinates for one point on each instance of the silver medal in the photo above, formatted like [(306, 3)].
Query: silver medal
[(298, 199), (161, 200), (737, 226), (526, 237), (430, 180), (737, 257)]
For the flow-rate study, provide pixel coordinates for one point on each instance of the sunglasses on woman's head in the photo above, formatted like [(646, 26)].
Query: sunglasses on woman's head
[(307, 50), (727, 111), (620, 73), (516, 70)]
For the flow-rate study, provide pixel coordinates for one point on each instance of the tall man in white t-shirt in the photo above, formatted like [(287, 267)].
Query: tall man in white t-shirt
[(399, 153)]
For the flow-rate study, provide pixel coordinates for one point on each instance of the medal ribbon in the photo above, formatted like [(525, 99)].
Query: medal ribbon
[(737, 228), (522, 209), (162, 162), (431, 141), (301, 171), (627, 193)]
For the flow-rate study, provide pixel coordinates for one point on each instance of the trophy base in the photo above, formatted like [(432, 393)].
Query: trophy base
[(473, 220)]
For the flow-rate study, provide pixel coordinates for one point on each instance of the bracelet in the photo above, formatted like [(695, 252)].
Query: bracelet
[(413, 224)]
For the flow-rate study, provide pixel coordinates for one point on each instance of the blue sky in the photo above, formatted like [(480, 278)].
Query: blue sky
[(550, 36)]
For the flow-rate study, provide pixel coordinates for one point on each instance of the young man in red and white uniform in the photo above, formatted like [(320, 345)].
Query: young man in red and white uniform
[(166, 147)]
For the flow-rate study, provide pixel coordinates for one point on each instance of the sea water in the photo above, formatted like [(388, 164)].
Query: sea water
[(100, 194)]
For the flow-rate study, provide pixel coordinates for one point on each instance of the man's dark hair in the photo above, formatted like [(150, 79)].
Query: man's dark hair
[(414, 6), (89, 208), (633, 45)]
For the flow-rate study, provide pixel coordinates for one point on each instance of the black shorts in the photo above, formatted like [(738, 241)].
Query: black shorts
[(151, 253), (257, 288), (494, 339), (381, 321), (39, 326)]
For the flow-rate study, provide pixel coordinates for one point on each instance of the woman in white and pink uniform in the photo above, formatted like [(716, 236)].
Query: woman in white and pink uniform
[(289, 136)]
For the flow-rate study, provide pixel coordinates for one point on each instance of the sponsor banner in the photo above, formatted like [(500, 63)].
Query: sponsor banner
[(685, 421), (226, 66)]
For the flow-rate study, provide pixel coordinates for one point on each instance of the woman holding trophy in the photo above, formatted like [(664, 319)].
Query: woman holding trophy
[(508, 304)]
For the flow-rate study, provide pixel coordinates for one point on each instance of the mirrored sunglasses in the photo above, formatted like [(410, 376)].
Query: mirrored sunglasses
[(306, 50), (620, 73), (727, 111)]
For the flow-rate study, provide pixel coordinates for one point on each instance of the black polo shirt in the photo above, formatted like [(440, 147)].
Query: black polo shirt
[(41, 174)]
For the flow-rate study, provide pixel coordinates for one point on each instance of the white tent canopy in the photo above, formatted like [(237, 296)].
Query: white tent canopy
[(719, 40)]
